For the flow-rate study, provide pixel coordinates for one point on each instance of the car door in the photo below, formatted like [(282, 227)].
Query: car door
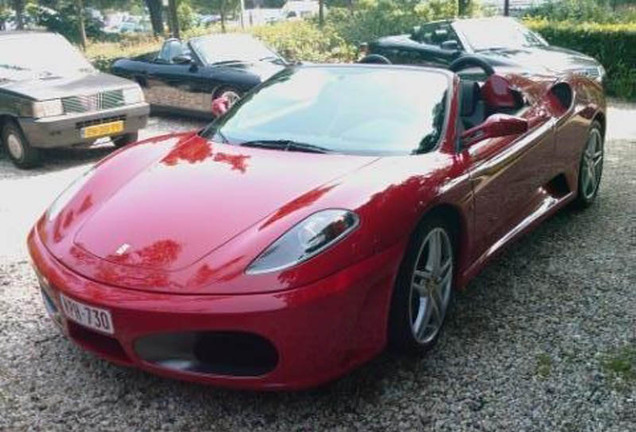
[(180, 86), (508, 175)]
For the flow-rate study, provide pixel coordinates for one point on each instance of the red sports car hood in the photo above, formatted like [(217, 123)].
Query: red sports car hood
[(164, 205)]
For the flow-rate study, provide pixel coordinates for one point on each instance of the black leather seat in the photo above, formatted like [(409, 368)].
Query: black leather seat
[(473, 108)]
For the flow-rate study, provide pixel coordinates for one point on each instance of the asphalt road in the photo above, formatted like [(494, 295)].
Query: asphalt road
[(544, 339)]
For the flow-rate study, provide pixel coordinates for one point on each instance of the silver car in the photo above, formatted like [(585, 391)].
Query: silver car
[(51, 96)]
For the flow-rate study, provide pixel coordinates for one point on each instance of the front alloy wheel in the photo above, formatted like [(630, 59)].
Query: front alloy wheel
[(424, 288), (431, 286)]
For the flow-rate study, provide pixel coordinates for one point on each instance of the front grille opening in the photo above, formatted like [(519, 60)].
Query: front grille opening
[(98, 343), (86, 123), (215, 353), (94, 102)]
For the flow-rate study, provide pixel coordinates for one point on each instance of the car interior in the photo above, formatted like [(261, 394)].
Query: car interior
[(495, 95), (171, 49)]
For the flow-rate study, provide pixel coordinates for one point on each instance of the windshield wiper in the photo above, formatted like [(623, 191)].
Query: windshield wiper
[(287, 145)]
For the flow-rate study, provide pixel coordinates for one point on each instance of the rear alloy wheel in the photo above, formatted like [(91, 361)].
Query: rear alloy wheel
[(18, 148), (424, 289), (591, 167), (124, 140)]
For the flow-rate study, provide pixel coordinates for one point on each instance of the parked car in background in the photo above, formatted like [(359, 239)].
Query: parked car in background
[(184, 77), (503, 42), (51, 96), (331, 212)]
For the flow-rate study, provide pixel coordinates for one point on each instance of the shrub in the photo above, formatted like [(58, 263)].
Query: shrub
[(614, 45)]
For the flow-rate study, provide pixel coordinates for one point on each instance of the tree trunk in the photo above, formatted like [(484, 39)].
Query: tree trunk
[(174, 20), (79, 7), (155, 7), (222, 13), (506, 7), (18, 6), (462, 7), (321, 12)]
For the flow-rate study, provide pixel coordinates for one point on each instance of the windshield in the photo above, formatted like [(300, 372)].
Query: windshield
[(41, 54), (497, 33), (227, 48), (353, 110)]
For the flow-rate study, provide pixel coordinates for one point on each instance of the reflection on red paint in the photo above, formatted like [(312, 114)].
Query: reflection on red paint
[(193, 151), (238, 162), (160, 252), (302, 201)]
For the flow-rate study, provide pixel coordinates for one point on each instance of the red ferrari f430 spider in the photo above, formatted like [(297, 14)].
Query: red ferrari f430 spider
[(331, 212)]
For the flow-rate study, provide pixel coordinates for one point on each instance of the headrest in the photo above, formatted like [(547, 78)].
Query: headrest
[(497, 92)]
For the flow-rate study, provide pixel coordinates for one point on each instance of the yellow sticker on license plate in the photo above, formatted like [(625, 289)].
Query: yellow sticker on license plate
[(102, 130)]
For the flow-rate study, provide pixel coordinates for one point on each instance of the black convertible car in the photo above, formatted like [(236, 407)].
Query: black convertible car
[(186, 77), (502, 42)]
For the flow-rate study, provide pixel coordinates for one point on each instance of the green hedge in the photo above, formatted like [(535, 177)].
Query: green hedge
[(614, 45)]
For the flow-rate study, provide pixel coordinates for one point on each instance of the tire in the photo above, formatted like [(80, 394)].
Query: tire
[(230, 93), (590, 167), (124, 140), (18, 147), (424, 288)]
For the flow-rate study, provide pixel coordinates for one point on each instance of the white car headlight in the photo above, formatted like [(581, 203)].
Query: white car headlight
[(133, 95), (305, 240), (67, 195), (49, 108)]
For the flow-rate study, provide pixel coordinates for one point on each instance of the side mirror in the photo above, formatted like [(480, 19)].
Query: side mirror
[(183, 59), (450, 45), (220, 106), (497, 125)]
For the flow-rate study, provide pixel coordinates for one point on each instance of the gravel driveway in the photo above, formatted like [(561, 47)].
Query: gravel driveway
[(544, 339)]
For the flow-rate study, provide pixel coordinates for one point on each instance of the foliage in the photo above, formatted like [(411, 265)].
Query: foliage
[(185, 15), (614, 45), (303, 40), (64, 20), (599, 11), (375, 18)]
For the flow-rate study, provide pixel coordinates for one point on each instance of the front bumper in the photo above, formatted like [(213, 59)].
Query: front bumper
[(320, 331), (64, 131)]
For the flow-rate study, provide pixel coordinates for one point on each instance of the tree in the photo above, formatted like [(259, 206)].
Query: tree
[(79, 7), (463, 7), (224, 8), (155, 8), (321, 12), (173, 19), (18, 7), (506, 7)]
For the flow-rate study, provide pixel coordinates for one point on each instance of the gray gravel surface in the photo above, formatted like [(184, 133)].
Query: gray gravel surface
[(543, 340)]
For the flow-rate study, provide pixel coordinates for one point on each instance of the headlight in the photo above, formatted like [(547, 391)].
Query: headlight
[(133, 95), (307, 239), (49, 108), (65, 197)]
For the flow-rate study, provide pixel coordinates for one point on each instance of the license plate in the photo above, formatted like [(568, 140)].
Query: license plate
[(88, 316), (102, 130)]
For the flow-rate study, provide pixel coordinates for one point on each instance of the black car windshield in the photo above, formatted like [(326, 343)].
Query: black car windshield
[(496, 33), (373, 110), (40, 54), (231, 47)]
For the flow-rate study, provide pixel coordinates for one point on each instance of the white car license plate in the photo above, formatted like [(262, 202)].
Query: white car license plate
[(88, 316)]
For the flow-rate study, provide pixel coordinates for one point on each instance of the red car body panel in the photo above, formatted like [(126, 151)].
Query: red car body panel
[(190, 240)]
